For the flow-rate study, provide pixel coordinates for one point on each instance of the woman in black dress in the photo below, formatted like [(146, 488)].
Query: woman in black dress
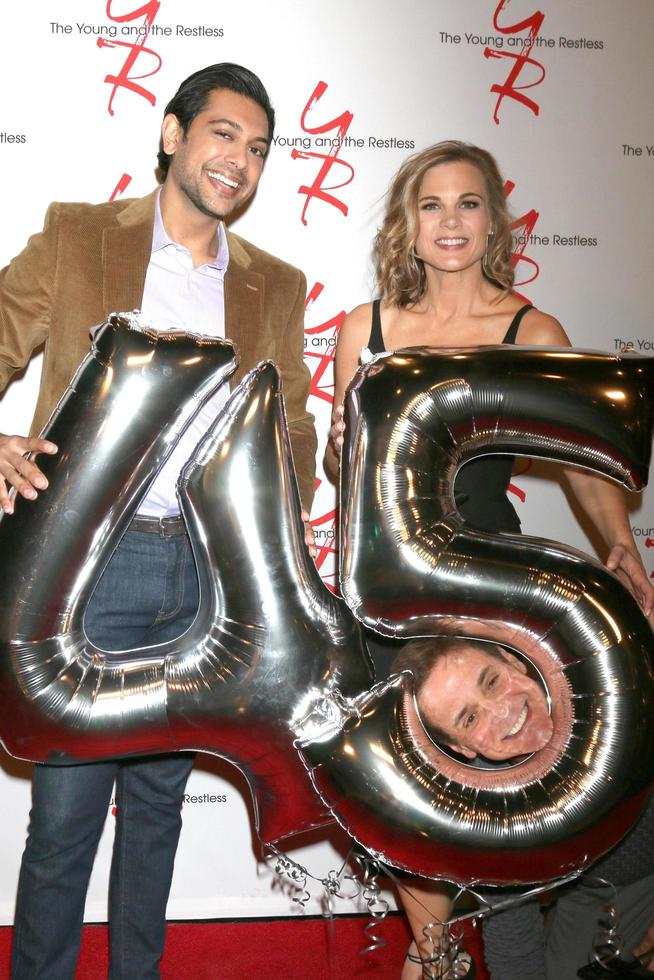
[(445, 277)]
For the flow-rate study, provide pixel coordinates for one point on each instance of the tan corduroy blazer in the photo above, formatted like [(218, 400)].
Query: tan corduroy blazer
[(91, 260)]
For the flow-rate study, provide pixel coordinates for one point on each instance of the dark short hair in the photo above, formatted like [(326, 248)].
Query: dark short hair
[(193, 94), (420, 657)]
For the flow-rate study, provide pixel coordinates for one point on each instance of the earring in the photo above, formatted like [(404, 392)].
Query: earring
[(484, 258)]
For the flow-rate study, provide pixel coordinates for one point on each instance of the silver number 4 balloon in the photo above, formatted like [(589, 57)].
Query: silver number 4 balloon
[(268, 637)]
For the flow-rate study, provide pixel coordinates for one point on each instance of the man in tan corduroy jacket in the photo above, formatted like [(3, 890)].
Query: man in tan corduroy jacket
[(170, 255)]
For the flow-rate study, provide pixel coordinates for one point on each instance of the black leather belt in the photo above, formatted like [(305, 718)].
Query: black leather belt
[(164, 527)]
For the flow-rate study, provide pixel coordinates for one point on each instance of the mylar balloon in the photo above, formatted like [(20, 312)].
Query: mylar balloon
[(269, 639), (273, 657), (411, 568)]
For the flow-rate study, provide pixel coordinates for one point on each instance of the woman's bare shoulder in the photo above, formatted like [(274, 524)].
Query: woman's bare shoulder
[(542, 329), (358, 319), (355, 329), (353, 335)]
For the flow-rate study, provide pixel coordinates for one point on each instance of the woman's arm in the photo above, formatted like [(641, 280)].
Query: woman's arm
[(353, 335), (602, 501), (604, 504)]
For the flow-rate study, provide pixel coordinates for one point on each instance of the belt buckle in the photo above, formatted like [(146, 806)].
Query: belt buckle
[(171, 526)]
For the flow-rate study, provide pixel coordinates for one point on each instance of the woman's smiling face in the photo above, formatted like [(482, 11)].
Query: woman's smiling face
[(454, 217)]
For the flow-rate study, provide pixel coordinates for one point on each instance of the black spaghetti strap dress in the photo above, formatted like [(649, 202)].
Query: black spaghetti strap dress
[(479, 493), (481, 485)]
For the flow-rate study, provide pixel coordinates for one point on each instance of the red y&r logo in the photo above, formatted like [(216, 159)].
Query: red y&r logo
[(319, 189), (524, 225), (510, 89), (649, 543), (324, 528), (522, 466), (320, 344), (148, 11), (120, 187)]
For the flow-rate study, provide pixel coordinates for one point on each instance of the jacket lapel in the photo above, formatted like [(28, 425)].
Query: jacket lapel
[(126, 249), (244, 304)]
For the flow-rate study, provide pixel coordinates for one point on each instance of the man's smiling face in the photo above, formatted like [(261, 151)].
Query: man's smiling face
[(486, 704), (217, 163)]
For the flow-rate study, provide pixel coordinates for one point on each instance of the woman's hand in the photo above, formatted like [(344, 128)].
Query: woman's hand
[(627, 565), (309, 536), (333, 449), (337, 430), (604, 503)]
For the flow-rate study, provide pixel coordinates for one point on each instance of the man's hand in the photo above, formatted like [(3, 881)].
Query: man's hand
[(17, 471), (644, 952), (629, 568)]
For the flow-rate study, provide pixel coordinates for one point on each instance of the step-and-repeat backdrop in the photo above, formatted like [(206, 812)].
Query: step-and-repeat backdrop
[(560, 92)]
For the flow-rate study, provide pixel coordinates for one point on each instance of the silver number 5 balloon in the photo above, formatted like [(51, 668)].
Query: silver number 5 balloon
[(409, 567)]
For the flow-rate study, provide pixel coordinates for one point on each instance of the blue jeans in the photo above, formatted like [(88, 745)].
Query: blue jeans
[(147, 594)]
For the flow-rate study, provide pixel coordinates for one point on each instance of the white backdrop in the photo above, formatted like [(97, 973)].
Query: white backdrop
[(568, 117)]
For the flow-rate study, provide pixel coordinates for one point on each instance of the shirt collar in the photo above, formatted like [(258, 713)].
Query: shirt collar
[(161, 239)]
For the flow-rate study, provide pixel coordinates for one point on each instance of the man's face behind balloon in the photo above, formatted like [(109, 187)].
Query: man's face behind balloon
[(486, 704)]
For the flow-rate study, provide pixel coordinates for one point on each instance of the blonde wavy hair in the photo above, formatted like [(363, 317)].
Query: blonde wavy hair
[(400, 273)]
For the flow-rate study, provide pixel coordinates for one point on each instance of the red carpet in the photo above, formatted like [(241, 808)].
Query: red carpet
[(261, 949)]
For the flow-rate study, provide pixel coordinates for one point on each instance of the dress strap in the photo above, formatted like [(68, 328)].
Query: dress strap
[(376, 342), (512, 333)]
